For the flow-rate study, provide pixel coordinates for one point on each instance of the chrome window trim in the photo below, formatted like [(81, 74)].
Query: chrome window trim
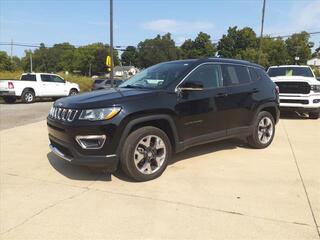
[(214, 63)]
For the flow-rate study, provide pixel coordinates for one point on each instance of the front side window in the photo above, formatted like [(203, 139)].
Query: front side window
[(56, 79), (209, 75), (157, 76), (234, 75)]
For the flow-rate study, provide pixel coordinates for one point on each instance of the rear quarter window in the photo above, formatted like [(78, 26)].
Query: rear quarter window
[(254, 74), (29, 77), (235, 75)]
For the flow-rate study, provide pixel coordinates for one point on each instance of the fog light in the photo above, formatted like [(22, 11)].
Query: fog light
[(91, 141), (316, 100)]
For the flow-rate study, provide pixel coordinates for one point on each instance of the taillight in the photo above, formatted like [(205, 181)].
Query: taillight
[(10, 85)]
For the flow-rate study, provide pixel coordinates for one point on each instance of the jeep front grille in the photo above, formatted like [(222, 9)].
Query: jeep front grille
[(63, 114)]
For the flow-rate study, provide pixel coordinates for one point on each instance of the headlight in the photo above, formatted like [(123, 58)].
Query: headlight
[(315, 88), (99, 114)]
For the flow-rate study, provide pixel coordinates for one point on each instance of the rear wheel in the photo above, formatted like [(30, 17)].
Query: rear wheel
[(314, 115), (9, 100), (145, 153), (263, 131), (27, 96)]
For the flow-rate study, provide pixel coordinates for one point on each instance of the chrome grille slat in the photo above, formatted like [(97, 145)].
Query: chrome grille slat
[(63, 114)]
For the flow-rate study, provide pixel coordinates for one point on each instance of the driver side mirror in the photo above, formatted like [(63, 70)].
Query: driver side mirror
[(192, 86)]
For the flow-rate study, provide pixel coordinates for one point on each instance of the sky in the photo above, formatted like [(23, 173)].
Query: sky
[(81, 22)]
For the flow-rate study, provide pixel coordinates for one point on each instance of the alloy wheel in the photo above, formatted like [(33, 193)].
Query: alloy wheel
[(265, 130), (149, 154)]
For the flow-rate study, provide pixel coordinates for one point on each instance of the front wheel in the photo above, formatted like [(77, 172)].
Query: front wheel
[(263, 131), (73, 92), (145, 153)]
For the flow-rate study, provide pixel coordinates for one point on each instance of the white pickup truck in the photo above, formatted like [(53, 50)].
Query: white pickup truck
[(36, 85), (299, 88)]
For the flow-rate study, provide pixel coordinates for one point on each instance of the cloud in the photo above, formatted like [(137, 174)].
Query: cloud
[(179, 27)]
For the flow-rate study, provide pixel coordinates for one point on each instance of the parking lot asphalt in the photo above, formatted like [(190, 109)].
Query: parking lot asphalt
[(214, 191), (12, 115)]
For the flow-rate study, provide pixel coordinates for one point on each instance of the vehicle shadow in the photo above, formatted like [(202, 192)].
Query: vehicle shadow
[(291, 115), (76, 172), (20, 102)]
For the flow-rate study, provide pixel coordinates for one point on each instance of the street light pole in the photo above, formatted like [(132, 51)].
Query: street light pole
[(111, 42), (261, 33)]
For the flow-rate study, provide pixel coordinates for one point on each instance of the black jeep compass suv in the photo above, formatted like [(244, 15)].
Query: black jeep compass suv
[(164, 109)]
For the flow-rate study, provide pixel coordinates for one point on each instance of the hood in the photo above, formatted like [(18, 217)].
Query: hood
[(310, 80), (102, 98)]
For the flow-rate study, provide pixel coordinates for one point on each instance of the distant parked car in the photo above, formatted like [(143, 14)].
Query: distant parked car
[(36, 85), (299, 89), (99, 84)]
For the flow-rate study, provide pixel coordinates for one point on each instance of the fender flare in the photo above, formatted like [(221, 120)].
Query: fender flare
[(143, 119), (265, 105)]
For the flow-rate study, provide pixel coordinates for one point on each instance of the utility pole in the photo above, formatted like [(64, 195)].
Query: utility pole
[(261, 34), (30, 62), (11, 48), (111, 42)]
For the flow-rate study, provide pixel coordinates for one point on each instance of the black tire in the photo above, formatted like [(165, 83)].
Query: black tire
[(129, 153), (28, 96), (254, 140), (314, 115), (9, 100), (73, 92)]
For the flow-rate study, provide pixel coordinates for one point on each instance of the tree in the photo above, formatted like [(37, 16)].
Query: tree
[(156, 50), (275, 51), (238, 43), (5, 62), (199, 48), (130, 56), (298, 45)]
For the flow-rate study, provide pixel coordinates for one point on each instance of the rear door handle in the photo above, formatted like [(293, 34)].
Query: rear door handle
[(254, 90)]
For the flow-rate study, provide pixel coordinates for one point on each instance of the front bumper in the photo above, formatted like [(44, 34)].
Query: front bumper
[(64, 145), (307, 101)]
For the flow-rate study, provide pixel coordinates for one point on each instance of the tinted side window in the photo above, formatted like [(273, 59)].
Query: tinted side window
[(45, 78), (209, 75), (254, 75), (29, 77), (234, 75)]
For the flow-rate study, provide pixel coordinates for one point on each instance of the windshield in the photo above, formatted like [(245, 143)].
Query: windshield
[(157, 76), (290, 71)]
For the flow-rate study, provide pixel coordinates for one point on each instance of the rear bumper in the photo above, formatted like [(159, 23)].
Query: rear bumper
[(7, 93)]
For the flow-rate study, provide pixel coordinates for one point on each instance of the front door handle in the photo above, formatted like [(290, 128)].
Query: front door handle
[(222, 95)]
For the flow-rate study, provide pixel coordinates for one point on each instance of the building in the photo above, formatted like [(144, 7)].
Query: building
[(314, 62), (124, 72)]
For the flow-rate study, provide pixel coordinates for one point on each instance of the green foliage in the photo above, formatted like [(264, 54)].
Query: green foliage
[(201, 47), (298, 45), (238, 43), (156, 50), (8, 64), (87, 60), (130, 56)]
